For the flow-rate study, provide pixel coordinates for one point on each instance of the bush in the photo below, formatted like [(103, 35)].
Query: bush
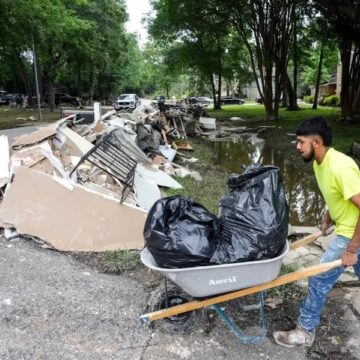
[(309, 99), (332, 100)]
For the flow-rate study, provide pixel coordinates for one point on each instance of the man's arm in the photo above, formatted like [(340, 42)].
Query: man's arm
[(326, 222), (349, 257)]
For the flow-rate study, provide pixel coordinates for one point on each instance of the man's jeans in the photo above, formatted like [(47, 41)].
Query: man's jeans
[(320, 285)]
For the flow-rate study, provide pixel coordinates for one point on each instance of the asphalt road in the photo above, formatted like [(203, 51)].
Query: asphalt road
[(53, 307)]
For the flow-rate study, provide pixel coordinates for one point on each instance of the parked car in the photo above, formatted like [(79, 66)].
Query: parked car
[(3, 100), (225, 100), (64, 98), (14, 98), (127, 101), (204, 100)]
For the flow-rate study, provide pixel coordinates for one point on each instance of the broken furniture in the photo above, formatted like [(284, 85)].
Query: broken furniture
[(110, 158)]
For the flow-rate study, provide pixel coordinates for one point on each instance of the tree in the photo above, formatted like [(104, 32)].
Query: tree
[(266, 28), (343, 19), (197, 34)]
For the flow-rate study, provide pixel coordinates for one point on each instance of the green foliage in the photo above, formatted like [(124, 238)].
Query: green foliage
[(309, 99), (332, 100)]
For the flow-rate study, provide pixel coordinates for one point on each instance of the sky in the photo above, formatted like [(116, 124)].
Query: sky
[(136, 10)]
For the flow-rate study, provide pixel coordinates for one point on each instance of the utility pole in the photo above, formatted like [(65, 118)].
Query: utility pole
[(36, 81)]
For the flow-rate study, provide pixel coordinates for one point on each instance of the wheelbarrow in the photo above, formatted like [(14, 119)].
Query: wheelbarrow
[(208, 286)]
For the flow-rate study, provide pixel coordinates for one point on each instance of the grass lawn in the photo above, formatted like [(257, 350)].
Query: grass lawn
[(256, 111), (12, 118), (344, 134)]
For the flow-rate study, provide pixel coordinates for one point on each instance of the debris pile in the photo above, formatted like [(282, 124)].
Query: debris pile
[(83, 185)]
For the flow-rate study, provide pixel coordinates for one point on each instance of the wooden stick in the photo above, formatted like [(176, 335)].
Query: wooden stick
[(281, 280), (164, 136), (305, 240), (308, 239)]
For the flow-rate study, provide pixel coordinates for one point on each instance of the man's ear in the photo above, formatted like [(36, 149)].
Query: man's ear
[(318, 141)]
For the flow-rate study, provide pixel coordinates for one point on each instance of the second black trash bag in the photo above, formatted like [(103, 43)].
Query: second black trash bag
[(180, 232), (254, 216)]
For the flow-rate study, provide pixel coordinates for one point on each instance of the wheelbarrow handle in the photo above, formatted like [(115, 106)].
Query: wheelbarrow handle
[(309, 238), (281, 280)]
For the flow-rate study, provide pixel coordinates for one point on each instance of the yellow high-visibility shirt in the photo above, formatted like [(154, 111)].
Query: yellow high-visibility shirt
[(338, 177)]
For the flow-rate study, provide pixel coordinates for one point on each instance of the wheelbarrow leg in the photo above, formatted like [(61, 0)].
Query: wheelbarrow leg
[(235, 329)]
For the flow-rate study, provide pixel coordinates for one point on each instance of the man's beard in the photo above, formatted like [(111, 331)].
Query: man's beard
[(311, 155)]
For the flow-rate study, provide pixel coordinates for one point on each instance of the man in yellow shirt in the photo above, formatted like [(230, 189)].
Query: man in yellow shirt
[(338, 178)]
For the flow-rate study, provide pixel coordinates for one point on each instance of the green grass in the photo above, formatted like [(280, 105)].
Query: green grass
[(10, 117), (257, 112), (287, 291), (119, 262), (344, 134), (208, 191)]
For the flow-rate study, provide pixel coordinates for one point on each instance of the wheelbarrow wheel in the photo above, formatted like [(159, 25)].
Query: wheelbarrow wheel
[(175, 296)]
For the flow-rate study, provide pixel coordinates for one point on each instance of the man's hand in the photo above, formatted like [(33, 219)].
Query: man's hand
[(349, 259)]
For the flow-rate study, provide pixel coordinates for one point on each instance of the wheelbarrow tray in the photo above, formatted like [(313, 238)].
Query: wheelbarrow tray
[(204, 281)]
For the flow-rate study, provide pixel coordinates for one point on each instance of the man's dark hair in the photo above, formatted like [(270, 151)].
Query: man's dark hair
[(316, 126)]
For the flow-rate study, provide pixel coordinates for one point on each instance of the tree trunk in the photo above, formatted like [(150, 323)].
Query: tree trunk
[(211, 76), (92, 85), (268, 95), (293, 106), (318, 77), (167, 90), (79, 81), (21, 71), (355, 81), (51, 95)]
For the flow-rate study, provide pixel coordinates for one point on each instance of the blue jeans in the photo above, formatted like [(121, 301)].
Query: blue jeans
[(320, 285)]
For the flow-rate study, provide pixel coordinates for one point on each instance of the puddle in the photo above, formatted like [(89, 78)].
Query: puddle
[(305, 201)]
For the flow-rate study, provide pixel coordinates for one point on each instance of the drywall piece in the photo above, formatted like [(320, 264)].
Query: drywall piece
[(70, 220), (208, 123), (168, 152), (108, 114), (39, 135), (4, 160), (158, 176), (97, 112), (118, 122), (147, 192), (36, 136), (75, 139)]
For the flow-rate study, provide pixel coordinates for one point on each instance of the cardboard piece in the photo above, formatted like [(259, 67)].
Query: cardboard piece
[(181, 145), (69, 217)]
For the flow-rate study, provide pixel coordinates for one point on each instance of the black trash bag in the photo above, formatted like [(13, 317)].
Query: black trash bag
[(254, 217), (180, 232)]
